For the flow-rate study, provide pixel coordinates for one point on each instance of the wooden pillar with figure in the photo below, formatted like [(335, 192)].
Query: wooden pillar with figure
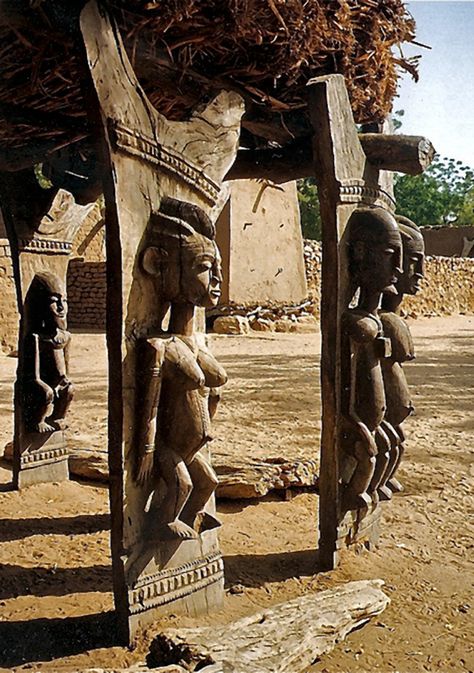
[(41, 224), (363, 262), (163, 193)]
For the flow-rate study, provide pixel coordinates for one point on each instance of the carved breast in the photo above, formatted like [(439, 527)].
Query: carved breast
[(396, 329)]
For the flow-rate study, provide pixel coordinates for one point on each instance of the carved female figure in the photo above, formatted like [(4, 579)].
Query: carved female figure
[(374, 255), (46, 391), (399, 405), (179, 375)]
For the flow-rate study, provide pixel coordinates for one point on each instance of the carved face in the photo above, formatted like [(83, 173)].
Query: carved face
[(201, 272), (413, 264), (375, 250), (55, 310), (45, 303)]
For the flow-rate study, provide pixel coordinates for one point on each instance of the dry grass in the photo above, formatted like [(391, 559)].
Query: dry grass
[(267, 49)]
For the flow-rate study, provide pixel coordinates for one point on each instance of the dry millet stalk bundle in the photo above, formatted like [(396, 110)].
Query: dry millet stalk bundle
[(267, 49)]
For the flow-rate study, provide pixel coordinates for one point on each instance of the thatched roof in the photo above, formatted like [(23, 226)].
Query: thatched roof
[(266, 49)]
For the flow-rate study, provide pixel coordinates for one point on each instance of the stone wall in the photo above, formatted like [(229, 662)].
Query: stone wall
[(447, 289), (86, 290), (86, 280)]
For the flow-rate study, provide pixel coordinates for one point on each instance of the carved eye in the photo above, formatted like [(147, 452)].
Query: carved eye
[(204, 266)]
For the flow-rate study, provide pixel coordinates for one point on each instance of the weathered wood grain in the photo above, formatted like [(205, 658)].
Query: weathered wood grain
[(286, 638), (406, 154)]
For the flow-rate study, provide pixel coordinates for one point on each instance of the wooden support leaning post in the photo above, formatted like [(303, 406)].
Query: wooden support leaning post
[(163, 193), (347, 181)]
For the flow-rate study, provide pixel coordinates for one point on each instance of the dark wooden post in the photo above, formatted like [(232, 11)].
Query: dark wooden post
[(346, 180)]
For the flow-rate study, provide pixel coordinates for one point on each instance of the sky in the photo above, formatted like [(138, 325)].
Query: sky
[(441, 105)]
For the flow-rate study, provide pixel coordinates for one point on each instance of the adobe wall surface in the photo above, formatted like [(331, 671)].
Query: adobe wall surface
[(447, 241), (259, 235), (8, 305)]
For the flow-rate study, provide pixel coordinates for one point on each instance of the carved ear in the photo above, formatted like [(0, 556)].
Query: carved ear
[(358, 251), (152, 260)]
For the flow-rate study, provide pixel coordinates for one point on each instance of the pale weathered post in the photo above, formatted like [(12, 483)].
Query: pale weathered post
[(163, 192), (41, 230)]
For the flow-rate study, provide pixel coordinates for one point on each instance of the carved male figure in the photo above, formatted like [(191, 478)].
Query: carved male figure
[(46, 391), (374, 255), (178, 376), (399, 405)]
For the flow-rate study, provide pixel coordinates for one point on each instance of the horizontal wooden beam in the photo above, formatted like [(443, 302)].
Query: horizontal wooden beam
[(404, 154)]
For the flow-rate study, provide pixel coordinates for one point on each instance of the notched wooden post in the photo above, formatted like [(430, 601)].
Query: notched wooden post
[(41, 230), (351, 190), (163, 193)]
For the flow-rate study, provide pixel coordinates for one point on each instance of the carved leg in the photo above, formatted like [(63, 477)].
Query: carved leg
[(38, 406), (178, 487), (377, 485), (205, 482), (392, 482), (355, 494), (64, 397)]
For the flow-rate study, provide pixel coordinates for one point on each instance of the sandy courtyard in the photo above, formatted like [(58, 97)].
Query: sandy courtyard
[(55, 578)]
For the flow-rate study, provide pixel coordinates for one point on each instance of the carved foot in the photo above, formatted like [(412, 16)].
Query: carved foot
[(384, 492), (177, 530), (60, 423), (44, 427), (205, 521), (352, 500), (394, 485)]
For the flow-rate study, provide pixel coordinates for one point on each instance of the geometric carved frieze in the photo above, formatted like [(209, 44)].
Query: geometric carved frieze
[(42, 245), (168, 585), (358, 526), (43, 457), (140, 145), (356, 191)]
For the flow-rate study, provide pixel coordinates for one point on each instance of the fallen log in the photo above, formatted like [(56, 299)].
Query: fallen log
[(238, 479), (286, 638), (406, 154)]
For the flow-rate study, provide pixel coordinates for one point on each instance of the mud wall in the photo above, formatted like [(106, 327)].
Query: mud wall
[(8, 305), (448, 241), (260, 239)]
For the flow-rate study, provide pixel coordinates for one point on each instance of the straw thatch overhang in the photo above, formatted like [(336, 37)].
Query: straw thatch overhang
[(183, 50)]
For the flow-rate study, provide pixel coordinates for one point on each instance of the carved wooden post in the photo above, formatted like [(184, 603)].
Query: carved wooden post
[(41, 225), (346, 181), (163, 193)]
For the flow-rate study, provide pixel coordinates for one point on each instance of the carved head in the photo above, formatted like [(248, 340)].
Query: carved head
[(182, 255), (375, 250), (46, 304), (413, 256)]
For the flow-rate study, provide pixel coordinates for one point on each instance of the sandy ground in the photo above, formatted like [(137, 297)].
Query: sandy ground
[(55, 578)]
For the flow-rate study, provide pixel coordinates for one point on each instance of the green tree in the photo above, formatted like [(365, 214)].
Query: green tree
[(309, 208), (443, 194)]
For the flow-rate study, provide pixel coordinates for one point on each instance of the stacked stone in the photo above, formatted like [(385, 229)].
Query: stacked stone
[(9, 317), (313, 257), (447, 289), (86, 289)]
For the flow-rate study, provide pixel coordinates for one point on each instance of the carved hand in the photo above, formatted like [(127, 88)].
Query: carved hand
[(145, 469)]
